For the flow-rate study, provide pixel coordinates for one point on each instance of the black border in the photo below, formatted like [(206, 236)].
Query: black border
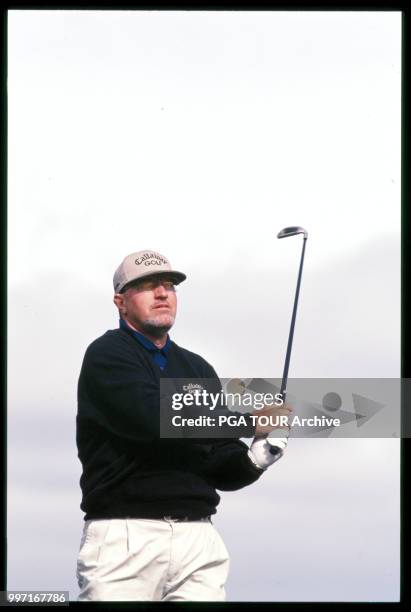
[(3, 131), (405, 270)]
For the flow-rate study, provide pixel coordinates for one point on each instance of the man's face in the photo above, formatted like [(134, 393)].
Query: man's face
[(149, 304)]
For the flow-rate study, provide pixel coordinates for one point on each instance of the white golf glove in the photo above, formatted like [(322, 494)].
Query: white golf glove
[(259, 451)]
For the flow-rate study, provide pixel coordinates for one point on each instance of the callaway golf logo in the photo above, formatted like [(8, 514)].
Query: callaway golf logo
[(193, 387), (151, 259)]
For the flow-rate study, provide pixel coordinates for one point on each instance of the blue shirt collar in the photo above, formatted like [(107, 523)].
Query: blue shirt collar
[(145, 341)]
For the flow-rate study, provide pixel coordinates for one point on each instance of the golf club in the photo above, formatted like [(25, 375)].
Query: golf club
[(275, 448)]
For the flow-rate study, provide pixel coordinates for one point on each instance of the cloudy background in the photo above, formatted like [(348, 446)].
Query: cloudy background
[(201, 135)]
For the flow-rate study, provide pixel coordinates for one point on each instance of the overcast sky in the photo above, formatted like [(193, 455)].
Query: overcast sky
[(201, 135)]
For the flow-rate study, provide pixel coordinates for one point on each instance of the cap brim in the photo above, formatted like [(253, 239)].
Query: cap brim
[(178, 277)]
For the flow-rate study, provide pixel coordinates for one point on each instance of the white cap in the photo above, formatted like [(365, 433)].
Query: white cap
[(144, 263)]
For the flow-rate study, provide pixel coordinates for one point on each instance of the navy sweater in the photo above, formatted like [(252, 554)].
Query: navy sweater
[(128, 470)]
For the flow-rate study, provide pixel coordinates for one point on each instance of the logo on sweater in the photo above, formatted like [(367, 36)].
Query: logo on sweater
[(192, 387)]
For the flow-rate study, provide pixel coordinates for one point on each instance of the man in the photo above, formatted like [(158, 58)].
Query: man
[(148, 535)]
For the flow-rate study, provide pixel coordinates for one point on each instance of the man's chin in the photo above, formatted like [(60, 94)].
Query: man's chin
[(162, 320), (159, 325)]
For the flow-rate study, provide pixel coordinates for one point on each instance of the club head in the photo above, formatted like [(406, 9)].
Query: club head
[(292, 231)]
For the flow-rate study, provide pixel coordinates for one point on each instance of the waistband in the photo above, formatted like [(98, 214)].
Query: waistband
[(185, 519), (143, 516)]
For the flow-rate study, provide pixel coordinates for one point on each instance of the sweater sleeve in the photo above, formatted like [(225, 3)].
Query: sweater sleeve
[(228, 466), (118, 393)]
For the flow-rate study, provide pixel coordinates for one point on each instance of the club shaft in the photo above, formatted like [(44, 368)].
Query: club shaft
[(291, 334), (271, 438)]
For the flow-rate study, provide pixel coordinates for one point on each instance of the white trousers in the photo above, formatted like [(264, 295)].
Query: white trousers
[(151, 560)]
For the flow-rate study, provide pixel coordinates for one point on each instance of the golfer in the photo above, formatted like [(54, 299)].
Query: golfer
[(148, 501)]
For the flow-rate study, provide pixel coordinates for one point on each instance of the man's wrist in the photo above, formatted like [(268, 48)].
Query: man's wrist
[(254, 462)]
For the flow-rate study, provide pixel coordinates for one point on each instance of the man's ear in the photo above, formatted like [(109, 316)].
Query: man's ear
[(118, 299)]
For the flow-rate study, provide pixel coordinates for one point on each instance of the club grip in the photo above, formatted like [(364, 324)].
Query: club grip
[(275, 450)]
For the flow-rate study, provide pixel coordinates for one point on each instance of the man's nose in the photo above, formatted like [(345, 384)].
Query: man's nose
[(160, 291)]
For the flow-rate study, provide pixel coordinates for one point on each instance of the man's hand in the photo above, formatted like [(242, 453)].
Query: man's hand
[(275, 412)]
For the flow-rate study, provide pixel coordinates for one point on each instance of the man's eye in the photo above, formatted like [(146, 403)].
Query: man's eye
[(150, 285)]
